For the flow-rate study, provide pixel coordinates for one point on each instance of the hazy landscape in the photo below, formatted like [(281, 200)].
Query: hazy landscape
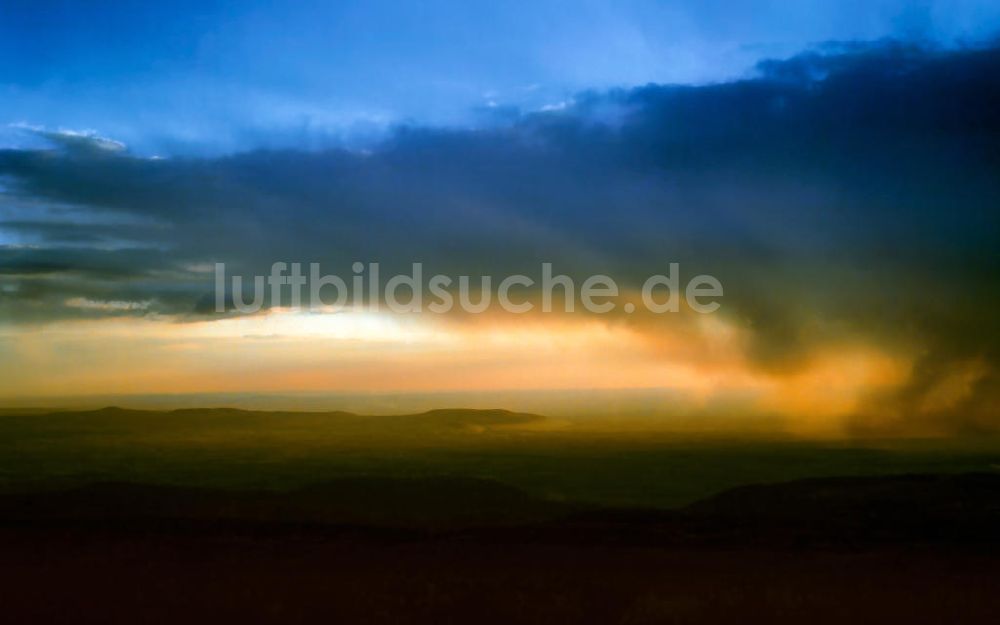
[(587, 462), (485, 516), (463, 312)]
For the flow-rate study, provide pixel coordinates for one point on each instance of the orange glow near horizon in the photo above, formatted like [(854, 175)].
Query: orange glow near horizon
[(700, 362)]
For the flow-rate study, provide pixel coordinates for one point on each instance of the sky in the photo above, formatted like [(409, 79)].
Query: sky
[(210, 77), (833, 164)]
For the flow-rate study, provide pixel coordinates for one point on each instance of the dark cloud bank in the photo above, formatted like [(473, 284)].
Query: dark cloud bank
[(850, 192)]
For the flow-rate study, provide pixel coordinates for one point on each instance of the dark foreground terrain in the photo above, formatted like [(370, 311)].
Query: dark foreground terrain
[(903, 549)]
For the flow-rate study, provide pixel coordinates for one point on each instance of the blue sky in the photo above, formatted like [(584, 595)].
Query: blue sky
[(213, 77)]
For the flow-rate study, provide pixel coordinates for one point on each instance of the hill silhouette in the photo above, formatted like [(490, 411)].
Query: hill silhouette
[(440, 421), (914, 549), (920, 508)]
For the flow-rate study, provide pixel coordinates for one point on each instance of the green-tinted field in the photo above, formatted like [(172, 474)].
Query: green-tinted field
[(240, 449)]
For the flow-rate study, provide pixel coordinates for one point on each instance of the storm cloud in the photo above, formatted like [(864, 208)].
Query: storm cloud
[(851, 191)]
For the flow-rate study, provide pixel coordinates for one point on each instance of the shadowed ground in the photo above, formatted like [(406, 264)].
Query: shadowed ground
[(916, 549), (215, 516)]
